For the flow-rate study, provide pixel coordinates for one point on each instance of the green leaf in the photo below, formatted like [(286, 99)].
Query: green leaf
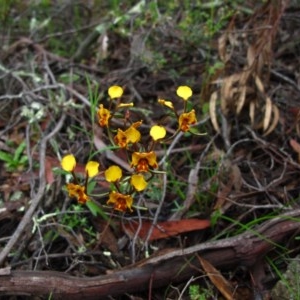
[(217, 214), (19, 151), (91, 186), (95, 209), (6, 157), (205, 108), (23, 160)]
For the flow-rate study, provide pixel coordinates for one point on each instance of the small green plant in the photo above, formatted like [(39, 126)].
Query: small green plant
[(15, 161), (197, 293), (68, 223)]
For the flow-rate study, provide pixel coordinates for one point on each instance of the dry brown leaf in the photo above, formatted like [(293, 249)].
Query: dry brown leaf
[(234, 181), (260, 62), (165, 229), (223, 192), (227, 91), (259, 84), (106, 236), (250, 56), (48, 171), (296, 147), (236, 176), (244, 76), (268, 114), (222, 48), (274, 121), (241, 99), (252, 112), (223, 285), (225, 50), (212, 111)]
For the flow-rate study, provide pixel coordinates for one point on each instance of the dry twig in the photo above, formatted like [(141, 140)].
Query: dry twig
[(37, 198)]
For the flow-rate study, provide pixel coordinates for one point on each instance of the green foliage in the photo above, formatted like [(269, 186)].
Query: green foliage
[(240, 227), (5, 9), (15, 161), (74, 220), (288, 287), (95, 209), (71, 221), (198, 293), (93, 98)]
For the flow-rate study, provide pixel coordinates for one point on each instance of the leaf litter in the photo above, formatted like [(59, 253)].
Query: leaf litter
[(247, 170)]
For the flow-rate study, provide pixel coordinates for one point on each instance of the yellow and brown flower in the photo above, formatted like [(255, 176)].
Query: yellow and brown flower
[(187, 119), (130, 135), (103, 115), (120, 201), (68, 163), (77, 191), (166, 103), (143, 160)]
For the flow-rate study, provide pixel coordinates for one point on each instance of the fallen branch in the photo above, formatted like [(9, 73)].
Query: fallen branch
[(157, 271)]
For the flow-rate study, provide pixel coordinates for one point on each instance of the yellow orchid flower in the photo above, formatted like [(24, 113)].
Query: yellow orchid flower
[(92, 168), (123, 105), (138, 182), (184, 92), (77, 191), (143, 160), (121, 138), (103, 115), (187, 119), (166, 103), (121, 202), (68, 163), (113, 173), (130, 135), (115, 91), (158, 132)]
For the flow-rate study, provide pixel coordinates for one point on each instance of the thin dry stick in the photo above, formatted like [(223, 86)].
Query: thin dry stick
[(135, 237), (170, 148), (192, 185), (175, 141), (78, 95), (157, 213), (36, 200), (32, 93)]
